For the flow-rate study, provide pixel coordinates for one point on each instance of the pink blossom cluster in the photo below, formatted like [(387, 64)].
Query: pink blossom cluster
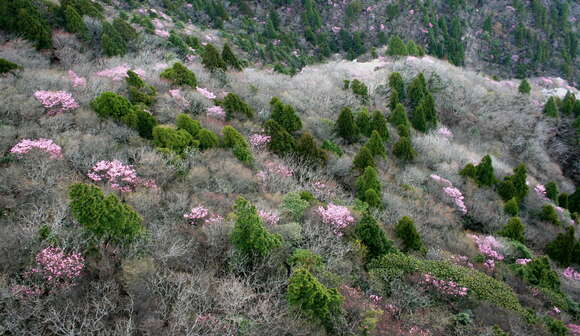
[(523, 261), (489, 264), (556, 310), (58, 268), (279, 169), (570, 273), (158, 24), (259, 141), (488, 246), (121, 177), (376, 298), (443, 286), (76, 80), (161, 33), (47, 145), (574, 329), (541, 191), (56, 101), (25, 291), (444, 131), (269, 217), (339, 217), (454, 193), (195, 215), (336, 29), (216, 112), (206, 93), (119, 72), (176, 94)]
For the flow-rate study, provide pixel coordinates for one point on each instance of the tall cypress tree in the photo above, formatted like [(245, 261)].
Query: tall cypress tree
[(484, 172), (379, 123), (308, 150), (345, 126), (281, 141), (404, 150), (363, 159), (406, 231), (524, 87), (363, 122), (551, 108), (397, 47), (417, 90), (368, 180), (376, 145), (397, 83), (399, 117), (373, 237), (211, 59), (418, 119)]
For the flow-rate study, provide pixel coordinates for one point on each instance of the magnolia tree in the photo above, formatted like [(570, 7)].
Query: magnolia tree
[(46, 145), (56, 102), (121, 177)]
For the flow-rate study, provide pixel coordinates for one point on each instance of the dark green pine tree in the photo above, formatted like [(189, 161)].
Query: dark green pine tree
[(404, 150), (74, 23), (308, 150), (397, 47), (565, 249), (373, 237), (345, 126), (512, 207), (394, 99), (417, 90), (428, 106), (285, 115), (34, 28), (514, 229), (568, 104), (234, 106), (368, 180), (519, 182), (551, 108), (412, 48), (363, 122), (179, 74), (552, 191), (111, 41), (399, 117), (563, 200), (281, 142), (7, 66), (230, 58), (406, 231), (125, 30), (524, 87), (376, 145), (363, 159), (211, 59), (418, 119), (379, 123), (397, 83), (484, 172)]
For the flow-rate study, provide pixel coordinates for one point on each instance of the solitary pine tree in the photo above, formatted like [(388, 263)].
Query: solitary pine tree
[(285, 115), (406, 231), (346, 127), (524, 87), (281, 141), (211, 59), (250, 236), (230, 58)]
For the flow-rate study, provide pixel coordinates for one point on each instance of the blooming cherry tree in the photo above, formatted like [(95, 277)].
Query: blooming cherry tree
[(56, 101), (47, 145), (259, 141), (454, 193), (121, 177), (339, 217)]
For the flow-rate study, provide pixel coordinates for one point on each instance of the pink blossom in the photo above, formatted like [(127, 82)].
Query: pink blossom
[(76, 80), (541, 191), (488, 246), (515, 58), (523, 261), (157, 23), (216, 112), (188, 5), (47, 145), (56, 101), (161, 33), (214, 219), (411, 12), (375, 298), (339, 217), (176, 94), (489, 264), (196, 214), (430, 25), (574, 329), (571, 274), (190, 58), (423, 30), (259, 141), (121, 177), (444, 131), (205, 92), (382, 26), (57, 268), (269, 217), (119, 72), (556, 310), (454, 193), (336, 29), (443, 286)]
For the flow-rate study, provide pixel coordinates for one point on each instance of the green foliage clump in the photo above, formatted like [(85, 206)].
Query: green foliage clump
[(549, 214), (207, 139), (512, 207), (406, 231), (230, 58), (211, 59), (281, 141), (346, 127), (515, 185), (564, 249), (308, 150), (332, 147), (139, 91), (484, 175), (241, 147), (125, 30), (397, 47), (105, 217), (316, 301), (112, 105), (551, 108), (552, 191), (185, 122), (305, 259), (373, 237), (563, 200), (396, 83), (112, 43), (360, 89), (556, 327), (404, 150), (363, 159), (363, 122), (376, 145), (145, 123), (166, 137), (368, 180), (250, 236), (524, 87), (294, 205), (26, 19), (514, 229), (178, 74), (379, 124), (417, 90), (468, 171), (399, 118), (569, 104), (539, 273), (7, 66), (234, 106), (285, 115), (412, 48), (74, 23)]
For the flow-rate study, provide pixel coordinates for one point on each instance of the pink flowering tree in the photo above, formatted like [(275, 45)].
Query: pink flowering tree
[(56, 101), (216, 112), (338, 217), (571, 274), (197, 215), (453, 193), (45, 145), (121, 177), (269, 217), (490, 248), (259, 141), (206, 93)]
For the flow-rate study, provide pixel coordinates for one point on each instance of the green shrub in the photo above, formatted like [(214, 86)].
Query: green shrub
[(332, 147), (569, 104), (363, 122), (564, 249), (311, 297), (112, 43), (418, 119), (294, 205), (125, 30), (111, 105), (178, 74), (230, 58), (7, 66), (305, 259), (74, 23), (468, 171), (360, 89), (234, 105), (399, 117), (186, 123), (512, 207), (394, 99), (172, 139), (551, 108), (373, 237), (145, 123), (397, 47), (211, 59), (552, 191), (345, 126), (25, 19), (524, 87), (404, 150), (235, 140), (549, 214), (556, 327), (515, 185), (376, 145), (281, 141), (412, 48), (368, 180), (563, 200), (207, 139), (539, 273), (250, 236), (396, 83), (285, 115), (308, 150), (514, 229), (379, 124), (406, 231), (484, 172), (105, 217), (139, 91), (363, 159)]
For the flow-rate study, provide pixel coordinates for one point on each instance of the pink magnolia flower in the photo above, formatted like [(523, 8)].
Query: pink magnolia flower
[(570, 273), (336, 29), (206, 93), (523, 261), (411, 12), (556, 310), (269, 217), (57, 268), (489, 264), (121, 177), (56, 101), (339, 217), (488, 246), (76, 80), (47, 145), (259, 141)]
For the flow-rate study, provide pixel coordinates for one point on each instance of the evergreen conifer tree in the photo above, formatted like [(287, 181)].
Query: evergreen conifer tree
[(394, 99), (368, 180), (568, 103), (185, 122), (404, 150), (514, 229), (552, 191), (524, 87), (363, 122), (397, 83), (484, 172), (234, 105), (417, 90), (7, 66), (179, 74), (363, 159), (211, 59), (418, 119), (564, 249), (230, 58), (412, 48), (551, 108), (281, 141), (563, 200), (74, 23), (397, 47), (346, 127), (111, 41), (406, 231), (379, 123), (171, 139), (285, 115), (512, 207), (376, 145), (373, 237), (207, 139), (399, 117), (309, 151)]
